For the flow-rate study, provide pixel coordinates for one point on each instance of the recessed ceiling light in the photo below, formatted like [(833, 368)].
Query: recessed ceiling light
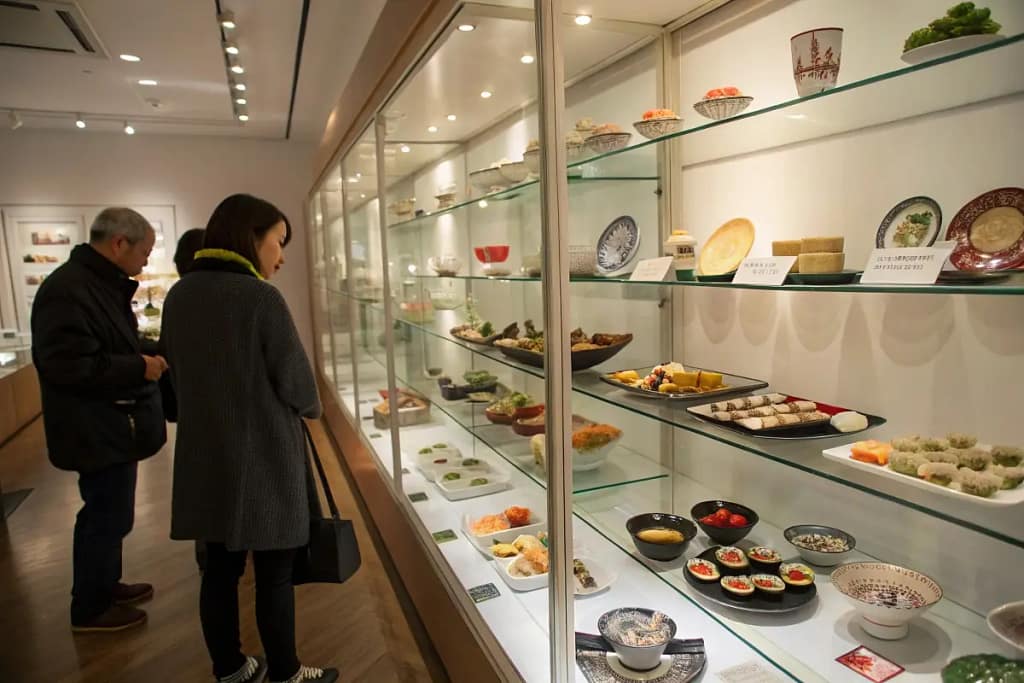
[(147, 81), (582, 19), (131, 58), (405, 149), (237, 69), (482, 204), (243, 117), (362, 196), (79, 121), (241, 100), (240, 87), (466, 28), (227, 19), (431, 129), (526, 59), (231, 48), (128, 130), (485, 94), (452, 117)]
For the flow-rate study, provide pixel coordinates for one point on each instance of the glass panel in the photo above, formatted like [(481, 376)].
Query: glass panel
[(336, 278), (321, 321)]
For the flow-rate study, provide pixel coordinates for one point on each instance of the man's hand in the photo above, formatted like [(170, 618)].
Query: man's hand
[(156, 366)]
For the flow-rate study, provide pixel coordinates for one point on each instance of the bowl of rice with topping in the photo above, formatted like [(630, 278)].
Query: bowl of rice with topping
[(824, 546)]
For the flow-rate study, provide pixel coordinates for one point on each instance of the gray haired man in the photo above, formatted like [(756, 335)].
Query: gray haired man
[(101, 405)]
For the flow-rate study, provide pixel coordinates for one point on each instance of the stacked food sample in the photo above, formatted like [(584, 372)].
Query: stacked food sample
[(767, 411), (587, 350), (956, 462), (814, 254), (412, 409), (671, 378), (591, 444)]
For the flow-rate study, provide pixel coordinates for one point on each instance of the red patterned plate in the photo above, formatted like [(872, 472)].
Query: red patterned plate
[(989, 231)]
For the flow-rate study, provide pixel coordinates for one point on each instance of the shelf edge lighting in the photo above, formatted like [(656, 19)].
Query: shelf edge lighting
[(130, 58), (582, 19), (128, 129), (227, 19), (79, 121)]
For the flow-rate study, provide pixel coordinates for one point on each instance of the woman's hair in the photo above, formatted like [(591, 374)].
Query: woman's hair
[(189, 243), (239, 221)]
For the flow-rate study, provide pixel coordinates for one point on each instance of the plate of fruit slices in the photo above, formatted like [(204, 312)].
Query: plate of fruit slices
[(750, 589), (676, 382)]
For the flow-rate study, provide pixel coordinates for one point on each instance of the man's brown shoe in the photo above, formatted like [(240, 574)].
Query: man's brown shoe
[(132, 593), (116, 618)]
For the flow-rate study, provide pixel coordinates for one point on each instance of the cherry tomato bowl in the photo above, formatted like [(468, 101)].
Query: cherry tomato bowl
[(724, 522)]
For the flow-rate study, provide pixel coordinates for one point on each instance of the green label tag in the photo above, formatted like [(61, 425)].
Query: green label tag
[(483, 592), (444, 536), (418, 497)]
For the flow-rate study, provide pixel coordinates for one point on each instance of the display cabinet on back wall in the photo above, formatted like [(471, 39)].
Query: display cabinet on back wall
[(807, 479)]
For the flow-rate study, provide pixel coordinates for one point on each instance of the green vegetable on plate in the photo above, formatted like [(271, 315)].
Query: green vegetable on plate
[(984, 669), (963, 19)]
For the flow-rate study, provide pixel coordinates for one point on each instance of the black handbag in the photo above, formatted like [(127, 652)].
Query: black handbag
[(332, 554)]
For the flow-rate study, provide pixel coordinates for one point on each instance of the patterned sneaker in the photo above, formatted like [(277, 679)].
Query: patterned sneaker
[(253, 671), (310, 673)]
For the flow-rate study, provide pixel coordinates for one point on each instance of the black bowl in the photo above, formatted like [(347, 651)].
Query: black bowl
[(661, 551), (724, 535)]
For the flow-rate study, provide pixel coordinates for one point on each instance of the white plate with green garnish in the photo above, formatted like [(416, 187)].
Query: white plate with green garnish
[(914, 222)]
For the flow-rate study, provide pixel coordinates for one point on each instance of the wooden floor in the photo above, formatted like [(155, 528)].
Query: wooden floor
[(359, 627)]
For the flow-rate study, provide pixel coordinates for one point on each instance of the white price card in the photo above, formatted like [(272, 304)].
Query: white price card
[(765, 270), (906, 266), (652, 269)]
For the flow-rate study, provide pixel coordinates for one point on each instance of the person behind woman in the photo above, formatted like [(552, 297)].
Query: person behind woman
[(243, 382), (189, 243)]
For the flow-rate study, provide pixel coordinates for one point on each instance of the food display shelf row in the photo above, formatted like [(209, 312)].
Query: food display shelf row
[(803, 455), (508, 193), (804, 643), (1013, 285)]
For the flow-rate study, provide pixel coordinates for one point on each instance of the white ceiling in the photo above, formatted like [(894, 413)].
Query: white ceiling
[(659, 12), (180, 46)]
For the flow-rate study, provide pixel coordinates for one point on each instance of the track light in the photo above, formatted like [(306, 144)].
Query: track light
[(231, 48), (582, 19), (14, 120), (486, 94), (227, 19), (241, 100), (466, 28), (240, 87), (243, 117), (128, 130), (237, 69), (452, 117), (405, 149), (147, 81), (79, 121), (130, 58)]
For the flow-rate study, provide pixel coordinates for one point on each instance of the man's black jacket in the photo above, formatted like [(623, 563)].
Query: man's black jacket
[(98, 408)]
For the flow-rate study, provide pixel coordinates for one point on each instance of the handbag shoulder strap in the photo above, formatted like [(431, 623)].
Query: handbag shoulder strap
[(331, 505)]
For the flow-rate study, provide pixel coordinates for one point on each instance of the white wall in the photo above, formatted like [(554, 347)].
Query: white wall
[(193, 174)]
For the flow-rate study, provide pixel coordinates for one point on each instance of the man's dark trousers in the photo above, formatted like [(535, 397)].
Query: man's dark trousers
[(103, 522)]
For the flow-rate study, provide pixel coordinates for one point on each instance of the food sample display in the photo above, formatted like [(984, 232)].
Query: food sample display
[(476, 380), (722, 103), (987, 475), (914, 222), (743, 586), (820, 262), (591, 444), (886, 596), (586, 350), (726, 248), (962, 27), (661, 536), (784, 417), (470, 478), (515, 405), (820, 545), (673, 381), (658, 122), (412, 409), (989, 231), (723, 521)]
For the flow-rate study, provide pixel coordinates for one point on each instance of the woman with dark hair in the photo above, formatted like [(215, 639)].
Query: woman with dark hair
[(243, 382)]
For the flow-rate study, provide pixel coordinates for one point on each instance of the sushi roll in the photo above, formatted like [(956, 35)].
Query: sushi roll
[(910, 444), (1008, 456), (980, 484), (975, 458), (958, 440), (949, 457), (934, 445), (941, 473), (731, 557), (764, 559), (769, 584), (1011, 476), (796, 575), (737, 586), (906, 462), (702, 570)]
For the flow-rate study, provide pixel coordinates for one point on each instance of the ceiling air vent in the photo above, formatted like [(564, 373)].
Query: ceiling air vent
[(47, 27)]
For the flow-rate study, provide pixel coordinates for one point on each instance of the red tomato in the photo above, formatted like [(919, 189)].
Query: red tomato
[(796, 575), (722, 514), (737, 520)]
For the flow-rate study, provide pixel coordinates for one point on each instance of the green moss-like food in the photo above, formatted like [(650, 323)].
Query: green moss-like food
[(1011, 476), (979, 484), (1009, 456), (906, 463), (962, 19), (452, 476), (948, 457), (958, 440), (984, 669), (934, 445), (975, 458), (909, 444), (479, 481), (940, 473), (426, 451)]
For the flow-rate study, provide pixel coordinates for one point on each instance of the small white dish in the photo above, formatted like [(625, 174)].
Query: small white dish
[(603, 577), (616, 665), (1007, 622), (430, 462), (944, 48), (515, 172), (463, 487), (519, 583), (484, 542), (886, 596)]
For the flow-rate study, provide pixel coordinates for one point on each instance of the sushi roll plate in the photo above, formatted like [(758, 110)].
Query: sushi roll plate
[(788, 600)]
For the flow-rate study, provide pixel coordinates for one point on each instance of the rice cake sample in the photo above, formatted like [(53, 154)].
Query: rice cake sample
[(821, 245), (821, 263)]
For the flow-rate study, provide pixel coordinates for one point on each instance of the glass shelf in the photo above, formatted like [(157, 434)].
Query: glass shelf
[(804, 455), (1012, 286), (511, 193), (937, 85)]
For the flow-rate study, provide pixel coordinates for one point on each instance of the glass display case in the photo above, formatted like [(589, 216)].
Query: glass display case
[(661, 433)]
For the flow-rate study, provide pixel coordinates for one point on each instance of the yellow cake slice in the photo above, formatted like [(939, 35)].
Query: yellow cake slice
[(710, 380), (821, 263), (821, 245), (685, 379)]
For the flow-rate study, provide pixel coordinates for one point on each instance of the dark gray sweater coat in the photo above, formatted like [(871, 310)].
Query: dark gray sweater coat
[(243, 380)]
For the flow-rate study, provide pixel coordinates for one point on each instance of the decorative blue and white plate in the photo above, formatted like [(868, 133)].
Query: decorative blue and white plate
[(617, 245), (914, 222)]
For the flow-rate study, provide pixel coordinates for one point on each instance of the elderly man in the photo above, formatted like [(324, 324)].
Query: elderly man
[(101, 405)]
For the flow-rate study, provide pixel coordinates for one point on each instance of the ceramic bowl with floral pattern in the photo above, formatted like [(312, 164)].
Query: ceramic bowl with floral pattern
[(886, 596)]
